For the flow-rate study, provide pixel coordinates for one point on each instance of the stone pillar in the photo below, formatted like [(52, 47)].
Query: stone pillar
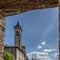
[(59, 31), (2, 31)]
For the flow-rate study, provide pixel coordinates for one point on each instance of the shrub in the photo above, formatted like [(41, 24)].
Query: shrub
[(8, 56)]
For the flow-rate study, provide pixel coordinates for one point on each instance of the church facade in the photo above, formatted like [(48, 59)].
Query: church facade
[(17, 50)]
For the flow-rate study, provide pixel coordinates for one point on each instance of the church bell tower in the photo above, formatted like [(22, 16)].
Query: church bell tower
[(18, 35)]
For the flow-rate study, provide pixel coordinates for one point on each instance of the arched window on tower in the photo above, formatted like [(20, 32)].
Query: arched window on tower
[(17, 32)]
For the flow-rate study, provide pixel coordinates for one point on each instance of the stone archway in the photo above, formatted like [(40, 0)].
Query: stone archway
[(12, 7)]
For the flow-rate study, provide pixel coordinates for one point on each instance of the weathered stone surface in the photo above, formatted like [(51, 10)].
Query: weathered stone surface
[(11, 7), (2, 31), (59, 29)]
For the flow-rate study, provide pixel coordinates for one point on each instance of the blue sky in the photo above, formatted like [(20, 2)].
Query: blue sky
[(40, 30)]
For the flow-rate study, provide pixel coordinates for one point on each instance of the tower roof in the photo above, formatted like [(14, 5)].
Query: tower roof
[(18, 26)]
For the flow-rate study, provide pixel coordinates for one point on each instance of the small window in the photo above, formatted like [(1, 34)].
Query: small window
[(17, 32)]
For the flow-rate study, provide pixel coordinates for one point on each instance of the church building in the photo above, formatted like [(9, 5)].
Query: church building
[(17, 50)]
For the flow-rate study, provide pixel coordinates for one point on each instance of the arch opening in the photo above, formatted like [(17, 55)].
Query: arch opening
[(31, 23)]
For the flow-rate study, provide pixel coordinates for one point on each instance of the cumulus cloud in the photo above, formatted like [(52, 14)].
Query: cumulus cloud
[(39, 56), (44, 43), (39, 47), (55, 54), (49, 50)]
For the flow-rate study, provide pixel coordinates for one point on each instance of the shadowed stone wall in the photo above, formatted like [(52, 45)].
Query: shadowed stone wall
[(2, 31)]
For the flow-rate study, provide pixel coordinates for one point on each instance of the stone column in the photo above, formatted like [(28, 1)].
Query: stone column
[(59, 31), (2, 31)]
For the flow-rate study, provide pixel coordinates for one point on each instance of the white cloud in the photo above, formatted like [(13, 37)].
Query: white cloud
[(49, 50), (39, 47), (39, 56), (55, 54), (44, 43)]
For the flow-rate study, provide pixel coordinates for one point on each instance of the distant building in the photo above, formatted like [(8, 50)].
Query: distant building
[(17, 50)]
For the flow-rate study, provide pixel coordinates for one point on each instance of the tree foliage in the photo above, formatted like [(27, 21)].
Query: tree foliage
[(8, 56)]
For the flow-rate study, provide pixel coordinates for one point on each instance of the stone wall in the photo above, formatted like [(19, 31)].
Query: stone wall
[(11, 50), (19, 55), (59, 31), (11, 7), (2, 31)]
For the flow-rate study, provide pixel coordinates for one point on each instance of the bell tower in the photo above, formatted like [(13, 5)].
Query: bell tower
[(18, 35)]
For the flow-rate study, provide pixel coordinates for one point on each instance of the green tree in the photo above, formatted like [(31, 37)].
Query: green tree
[(8, 56)]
